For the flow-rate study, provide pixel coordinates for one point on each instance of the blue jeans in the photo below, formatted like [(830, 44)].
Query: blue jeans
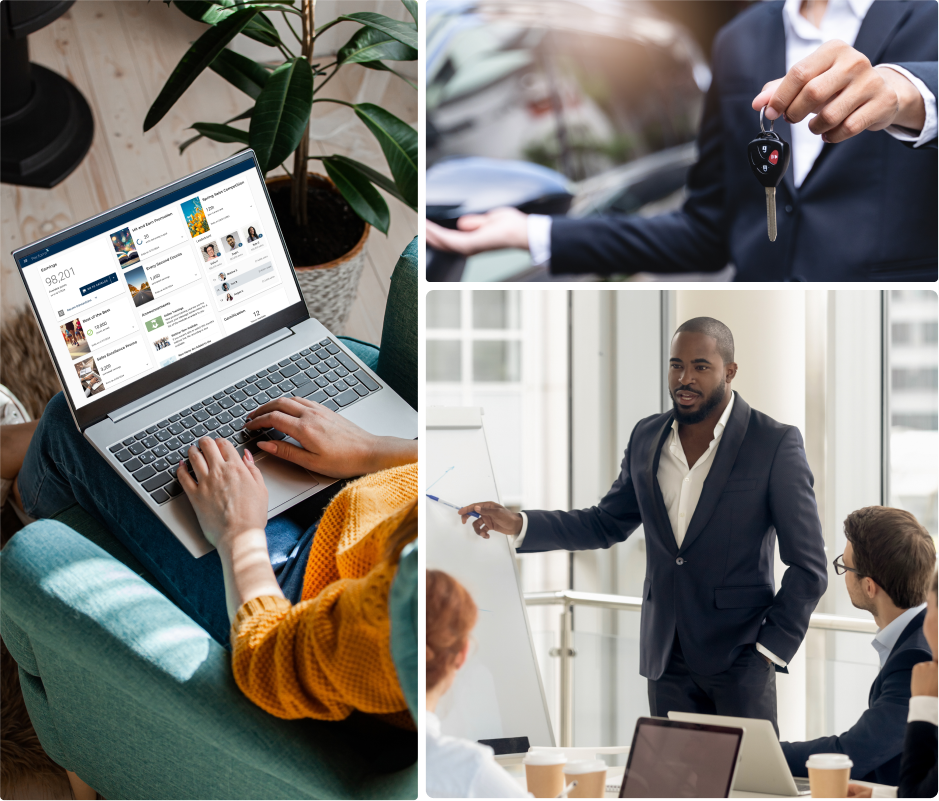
[(62, 469)]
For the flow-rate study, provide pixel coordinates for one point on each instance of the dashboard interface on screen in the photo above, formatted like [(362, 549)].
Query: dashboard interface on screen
[(122, 300)]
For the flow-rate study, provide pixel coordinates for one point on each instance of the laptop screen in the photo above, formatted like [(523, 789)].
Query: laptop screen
[(669, 759), (160, 281)]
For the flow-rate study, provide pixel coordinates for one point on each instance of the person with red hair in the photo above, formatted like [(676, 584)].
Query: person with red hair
[(456, 768)]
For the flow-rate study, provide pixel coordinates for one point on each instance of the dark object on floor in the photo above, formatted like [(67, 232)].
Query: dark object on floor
[(46, 127), (334, 229)]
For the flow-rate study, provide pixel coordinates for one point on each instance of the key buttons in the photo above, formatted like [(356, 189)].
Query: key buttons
[(774, 157)]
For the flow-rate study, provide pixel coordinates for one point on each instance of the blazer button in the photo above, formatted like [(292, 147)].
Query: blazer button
[(679, 561)]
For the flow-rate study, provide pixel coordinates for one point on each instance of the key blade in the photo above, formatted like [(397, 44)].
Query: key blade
[(771, 212)]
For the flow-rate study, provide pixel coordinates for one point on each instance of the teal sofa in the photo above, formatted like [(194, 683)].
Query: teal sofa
[(129, 693)]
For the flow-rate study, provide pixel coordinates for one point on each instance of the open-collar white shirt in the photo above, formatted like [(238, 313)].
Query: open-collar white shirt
[(682, 486)]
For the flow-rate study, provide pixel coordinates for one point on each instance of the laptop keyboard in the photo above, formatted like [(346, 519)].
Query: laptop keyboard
[(324, 373)]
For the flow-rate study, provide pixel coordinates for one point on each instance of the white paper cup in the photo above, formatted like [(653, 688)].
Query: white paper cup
[(829, 775), (544, 773), (590, 775)]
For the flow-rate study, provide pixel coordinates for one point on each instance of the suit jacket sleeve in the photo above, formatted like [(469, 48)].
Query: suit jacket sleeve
[(801, 548), (692, 239), (878, 735), (927, 72), (918, 764), (611, 521)]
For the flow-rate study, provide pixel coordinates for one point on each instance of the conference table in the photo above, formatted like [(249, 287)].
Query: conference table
[(614, 775)]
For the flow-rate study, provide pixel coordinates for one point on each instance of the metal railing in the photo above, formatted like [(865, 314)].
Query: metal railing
[(628, 603)]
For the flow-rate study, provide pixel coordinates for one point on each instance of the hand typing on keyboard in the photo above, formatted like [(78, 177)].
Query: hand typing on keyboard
[(230, 497), (332, 445)]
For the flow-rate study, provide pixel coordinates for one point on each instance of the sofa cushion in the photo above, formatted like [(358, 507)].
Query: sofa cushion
[(397, 361)]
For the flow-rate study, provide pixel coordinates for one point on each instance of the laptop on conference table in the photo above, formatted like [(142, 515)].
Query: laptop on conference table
[(677, 759), (763, 766), (172, 316)]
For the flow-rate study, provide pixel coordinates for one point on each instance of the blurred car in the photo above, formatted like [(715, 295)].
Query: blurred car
[(606, 95)]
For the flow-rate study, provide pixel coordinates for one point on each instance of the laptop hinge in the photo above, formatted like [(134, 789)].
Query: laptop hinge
[(187, 381)]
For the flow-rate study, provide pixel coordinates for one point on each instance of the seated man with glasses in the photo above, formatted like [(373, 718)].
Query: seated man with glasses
[(888, 563)]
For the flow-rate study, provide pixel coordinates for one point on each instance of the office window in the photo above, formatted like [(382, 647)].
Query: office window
[(443, 360), (901, 333), (496, 360), (443, 309), (913, 404), (506, 351), (498, 309)]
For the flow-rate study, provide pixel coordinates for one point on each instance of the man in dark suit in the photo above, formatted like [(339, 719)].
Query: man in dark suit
[(888, 561), (859, 201), (713, 483)]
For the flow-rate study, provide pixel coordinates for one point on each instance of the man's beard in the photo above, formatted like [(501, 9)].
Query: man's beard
[(712, 402)]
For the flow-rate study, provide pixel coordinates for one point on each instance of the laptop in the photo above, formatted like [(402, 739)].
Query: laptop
[(172, 316), (763, 767), (675, 759)]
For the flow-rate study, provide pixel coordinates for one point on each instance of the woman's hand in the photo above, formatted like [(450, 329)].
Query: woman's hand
[(332, 445), (858, 791), (230, 498)]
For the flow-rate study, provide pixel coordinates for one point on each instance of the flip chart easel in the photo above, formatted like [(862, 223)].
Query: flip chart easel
[(498, 695)]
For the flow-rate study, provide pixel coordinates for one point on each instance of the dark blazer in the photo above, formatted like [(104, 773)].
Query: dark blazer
[(717, 590), (865, 212), (918, 764), (875, 742)]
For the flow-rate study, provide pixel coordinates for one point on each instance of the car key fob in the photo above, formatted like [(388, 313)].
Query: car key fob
[(769, 159)]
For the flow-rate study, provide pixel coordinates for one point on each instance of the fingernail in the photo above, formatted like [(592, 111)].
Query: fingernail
[(825, 139), (248, 455), (771, 113), (266, 445)]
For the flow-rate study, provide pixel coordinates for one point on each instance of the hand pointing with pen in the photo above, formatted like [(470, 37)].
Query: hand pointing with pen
[(492, 517)]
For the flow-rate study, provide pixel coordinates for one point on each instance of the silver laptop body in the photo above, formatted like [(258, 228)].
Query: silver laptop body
[(763, 767), (216, 377)]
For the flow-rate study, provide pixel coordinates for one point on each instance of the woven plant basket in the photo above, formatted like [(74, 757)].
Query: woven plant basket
[(329, 289)]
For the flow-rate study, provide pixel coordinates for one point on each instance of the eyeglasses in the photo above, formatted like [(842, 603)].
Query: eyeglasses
[(841, 568)]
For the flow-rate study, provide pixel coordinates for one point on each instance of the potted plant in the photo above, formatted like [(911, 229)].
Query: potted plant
[(329, 254)]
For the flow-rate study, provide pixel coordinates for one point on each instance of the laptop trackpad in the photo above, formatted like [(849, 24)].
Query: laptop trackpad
[(283, 480)]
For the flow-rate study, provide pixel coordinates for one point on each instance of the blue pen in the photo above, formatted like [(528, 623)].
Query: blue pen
[(452, 506)]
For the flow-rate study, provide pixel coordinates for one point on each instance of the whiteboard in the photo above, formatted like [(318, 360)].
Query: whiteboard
[(498, 693)]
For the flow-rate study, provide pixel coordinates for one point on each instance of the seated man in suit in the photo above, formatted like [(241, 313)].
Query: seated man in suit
[(887, 563)]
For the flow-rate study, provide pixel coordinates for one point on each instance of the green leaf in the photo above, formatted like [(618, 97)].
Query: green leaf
[(398, 141), (411, 6), (202, 53), (360, 194), (371, 44), (404, 32), (241, 72), (204, 11), (381, 181), (221, 133), (243, 116), (281, 113), (262, 30)]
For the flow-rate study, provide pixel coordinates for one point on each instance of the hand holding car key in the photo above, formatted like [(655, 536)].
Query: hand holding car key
[(769, 160)]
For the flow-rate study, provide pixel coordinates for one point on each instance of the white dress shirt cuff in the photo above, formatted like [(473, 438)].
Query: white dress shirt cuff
[(539, 239), (521, 534), (770, 655), (883, 792), (925, 708), (929, 101)]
